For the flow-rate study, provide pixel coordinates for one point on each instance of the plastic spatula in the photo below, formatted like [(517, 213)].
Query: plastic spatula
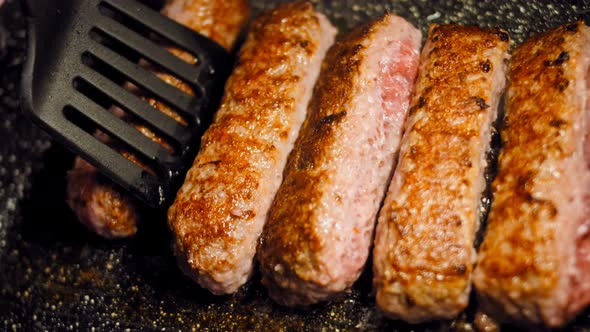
[(72, 78)]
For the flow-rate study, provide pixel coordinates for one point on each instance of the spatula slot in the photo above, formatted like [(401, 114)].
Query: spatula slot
[(103, 134), (112, 123), (133, 15), (135, 107), (172, 61), (142, 77), (162, 73), (135, 35)]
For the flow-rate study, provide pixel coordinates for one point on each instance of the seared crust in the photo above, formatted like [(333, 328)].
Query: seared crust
[(289, 240), (424, 246), (100, 204), (221, 208), (321, 222), (218, 20), (528, 252)]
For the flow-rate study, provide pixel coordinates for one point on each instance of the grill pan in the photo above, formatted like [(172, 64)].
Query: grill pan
[(54, 275)]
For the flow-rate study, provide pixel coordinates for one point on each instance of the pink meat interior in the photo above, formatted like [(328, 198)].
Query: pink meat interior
[(580, 292), (397, 65), (397, 75)]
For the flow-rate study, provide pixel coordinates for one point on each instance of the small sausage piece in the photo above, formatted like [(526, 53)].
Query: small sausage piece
[(424, 246), (221, 208), (99, 204), (321, 223), (534, 263)]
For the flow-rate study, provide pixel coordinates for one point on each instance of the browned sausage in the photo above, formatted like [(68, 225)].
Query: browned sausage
[(424, 246), (534, 263), (221, 208)]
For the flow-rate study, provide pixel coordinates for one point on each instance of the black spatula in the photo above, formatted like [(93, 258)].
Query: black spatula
[(80, 53)]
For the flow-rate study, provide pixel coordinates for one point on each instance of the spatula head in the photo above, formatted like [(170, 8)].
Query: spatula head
[(83, 57)]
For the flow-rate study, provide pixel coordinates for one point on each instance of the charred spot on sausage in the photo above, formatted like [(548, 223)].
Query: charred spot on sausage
[(332, 118), (357, 48), (409, 300), (481, 103), (212, 162), (557, 122), (460, 269), (561, 86), (563, 57), (421, 101), (486, 66)]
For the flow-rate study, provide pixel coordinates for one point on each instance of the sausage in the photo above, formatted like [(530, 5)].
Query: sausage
[(320, 226), (221, 208), (424, 245), (534, 263), (99, 204)]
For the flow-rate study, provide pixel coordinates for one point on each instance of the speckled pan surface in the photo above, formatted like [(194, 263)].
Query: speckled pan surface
[(56, 276)]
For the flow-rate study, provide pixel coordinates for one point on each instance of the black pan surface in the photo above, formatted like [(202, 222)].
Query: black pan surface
[(54, 275)]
